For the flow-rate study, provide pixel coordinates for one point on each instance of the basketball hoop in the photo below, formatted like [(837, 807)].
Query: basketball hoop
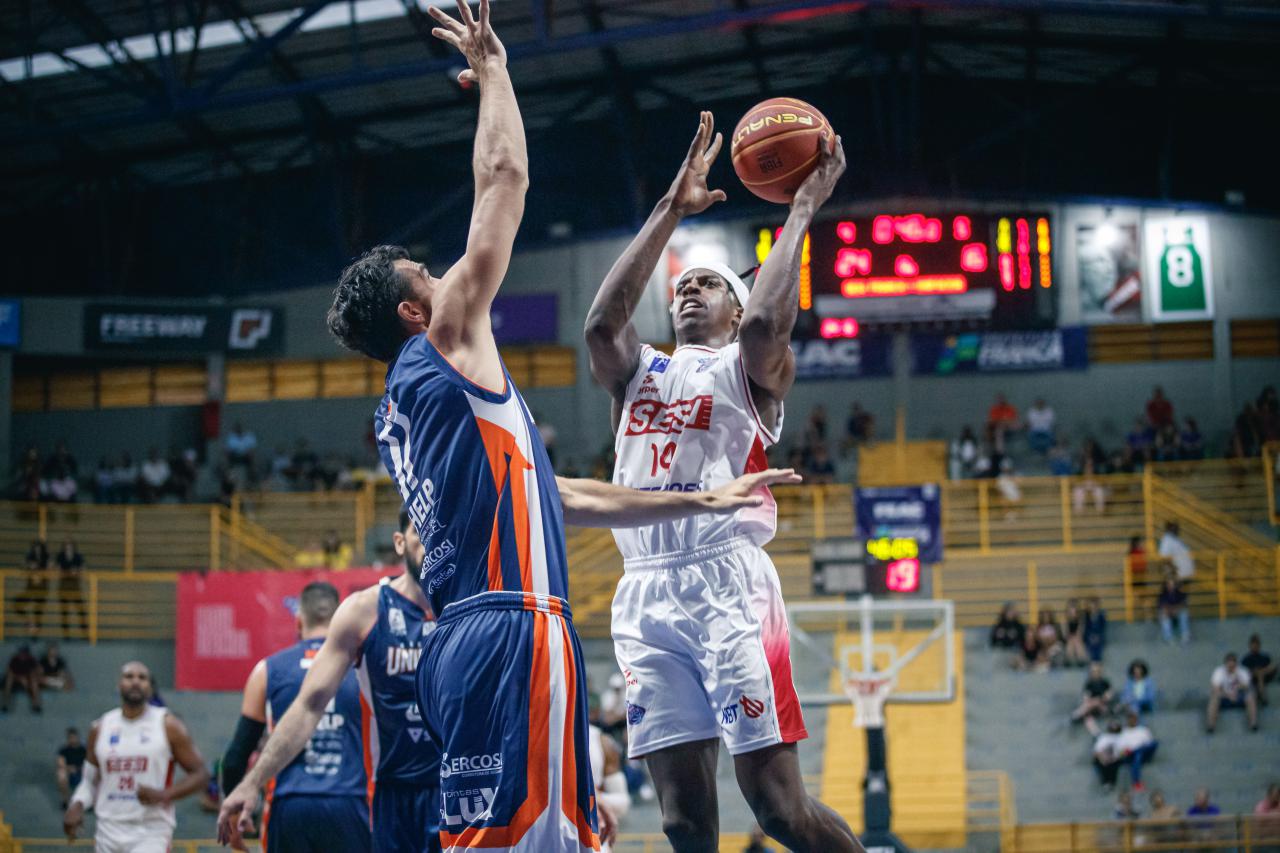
[(869, 693)]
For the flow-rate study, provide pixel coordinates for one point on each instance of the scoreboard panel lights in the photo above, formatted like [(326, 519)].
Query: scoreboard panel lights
[(902, 575), (838, 327), (887, 548)]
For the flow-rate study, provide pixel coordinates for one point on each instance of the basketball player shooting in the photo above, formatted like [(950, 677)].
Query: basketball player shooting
[(500, 682), (699, 626)]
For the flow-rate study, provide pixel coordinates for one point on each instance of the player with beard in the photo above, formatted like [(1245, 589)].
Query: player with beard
[(128, 774), (699, 626)]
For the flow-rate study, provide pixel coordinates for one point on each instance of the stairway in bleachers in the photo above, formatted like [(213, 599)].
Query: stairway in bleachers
[(1019, 722)]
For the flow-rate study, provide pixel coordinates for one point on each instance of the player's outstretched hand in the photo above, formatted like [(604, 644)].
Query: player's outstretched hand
[(745, 491), (235, 818), (475, 39), (71, 821), (817, 188), (689, 193), (608, 823)]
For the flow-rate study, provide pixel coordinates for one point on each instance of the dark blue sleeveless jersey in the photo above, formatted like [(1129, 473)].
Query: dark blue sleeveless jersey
[(334, 760), (474, 477), (387, 672)]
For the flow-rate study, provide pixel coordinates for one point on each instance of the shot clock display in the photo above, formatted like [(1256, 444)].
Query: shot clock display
[(970, 269)]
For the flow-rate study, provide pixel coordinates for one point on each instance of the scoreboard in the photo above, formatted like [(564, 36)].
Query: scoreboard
[(965, 269)]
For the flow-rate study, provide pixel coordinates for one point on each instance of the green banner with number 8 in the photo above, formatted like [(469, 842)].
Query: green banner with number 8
[(1178, 251)]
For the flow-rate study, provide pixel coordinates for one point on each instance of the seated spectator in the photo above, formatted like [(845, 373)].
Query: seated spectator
[(1136, 559), (125, 480), (1138, 746), (1176, 552), (62, 488), (964, 454), (1168, 445), (69, 766), (1002, 418), (1008, 489), (337, 554), (1260, 667), (54, 672), (1107, 757), (1160, 809), (153, 477), (1049, 640), (183, 469), (858, 428), (1171, 604), (1029, 656), (241, 444), (61, 463), (1075, 652), (1008, 632), (815, 430), (32, 601), (1040, 423), (1139, 693), (1160, 833), (27, 484), (819, 471), (1060, 462), (1088, 489), (1270, 804), (1191, 440), (1125, 809), (1095, 628), (309, 556), (23, 673), (103, 483), (1159, 409), (304, 469), (1203, 806), (1231, 687), (1139, 440), (1095, 702)]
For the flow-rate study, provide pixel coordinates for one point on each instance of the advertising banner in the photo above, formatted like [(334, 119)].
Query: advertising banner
[(525, 318), (843, 358), (1000, 352), (10, 323), (228, 621), (130, 327), (900, 522), (1179, 272), (1110, 270)]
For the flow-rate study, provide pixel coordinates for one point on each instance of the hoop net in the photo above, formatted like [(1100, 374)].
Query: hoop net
[(869, 693)]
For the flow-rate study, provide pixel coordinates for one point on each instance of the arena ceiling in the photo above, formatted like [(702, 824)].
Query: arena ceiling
[(112, 102)]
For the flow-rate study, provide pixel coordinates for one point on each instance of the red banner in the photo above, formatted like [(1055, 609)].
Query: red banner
[(228, 621)]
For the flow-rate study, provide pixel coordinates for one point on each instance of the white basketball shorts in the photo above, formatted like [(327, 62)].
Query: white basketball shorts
[(120, 836), (701, 637)]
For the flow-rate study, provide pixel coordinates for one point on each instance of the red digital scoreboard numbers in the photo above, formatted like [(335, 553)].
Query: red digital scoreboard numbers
[(975, 269)]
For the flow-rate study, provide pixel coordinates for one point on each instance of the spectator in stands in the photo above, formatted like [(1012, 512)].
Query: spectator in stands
[(1088, 489), (61, 463), (69, 766), (1049, 640), (1167, 446), (337, 554), (965, 451), (756, 841), (1138, 746), (1008, 488), (859, 427), (1002, 418), (1075, 652), (1139, 693), (241, 445), (1260, 667), (153, 477), (103, 483), (1231, 687), (34, 597), (1125, 809), (62, 488), (1060, 462), (815, 430), (54, 672), (1095, 701), (820, 470), (1107, 757), (27, 484), (1171, 604), (1176, 552), (1136, 559), (1029, 656), (1159, 409), (70, 589), (1203, 805), (1095, 628), (1270, 804), (1040, 424), (1008, 632), (125, 479), (304, 468), (1268, 406), (1140, 440), (1191, 440), (23, 673), (1161, 810), (183, 469)]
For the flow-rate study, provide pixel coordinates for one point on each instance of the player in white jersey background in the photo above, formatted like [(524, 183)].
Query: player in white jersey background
[(699, 626), (128, 774)]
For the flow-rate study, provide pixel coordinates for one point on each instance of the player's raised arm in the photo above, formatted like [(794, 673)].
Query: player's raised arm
[(612, 342), (501, 166), (770, 313), (350, 625), (591, 503)]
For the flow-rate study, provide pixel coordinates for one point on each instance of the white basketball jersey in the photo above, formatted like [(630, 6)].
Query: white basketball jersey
[(689, 424), (132, 754)]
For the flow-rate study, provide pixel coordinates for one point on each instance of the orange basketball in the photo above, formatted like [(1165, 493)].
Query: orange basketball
[(776, 146)]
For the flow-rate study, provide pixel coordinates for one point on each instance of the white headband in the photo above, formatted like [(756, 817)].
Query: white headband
[(736, 284)]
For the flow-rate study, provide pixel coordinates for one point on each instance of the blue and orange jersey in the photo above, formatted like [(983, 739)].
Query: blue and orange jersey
[(333, 762), (474, 477), (386, 669)]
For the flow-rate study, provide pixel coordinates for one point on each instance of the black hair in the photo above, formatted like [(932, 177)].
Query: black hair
[(404, 520), (317, 603), (363, 314), (1139, 663)]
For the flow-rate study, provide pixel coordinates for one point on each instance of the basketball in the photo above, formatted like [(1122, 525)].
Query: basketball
[(776, 145)]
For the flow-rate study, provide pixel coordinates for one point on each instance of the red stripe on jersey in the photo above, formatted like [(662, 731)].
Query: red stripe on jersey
[(366, 739)]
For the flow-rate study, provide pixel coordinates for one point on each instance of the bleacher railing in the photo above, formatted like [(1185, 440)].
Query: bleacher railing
[(100, 606), (1241, 833)]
